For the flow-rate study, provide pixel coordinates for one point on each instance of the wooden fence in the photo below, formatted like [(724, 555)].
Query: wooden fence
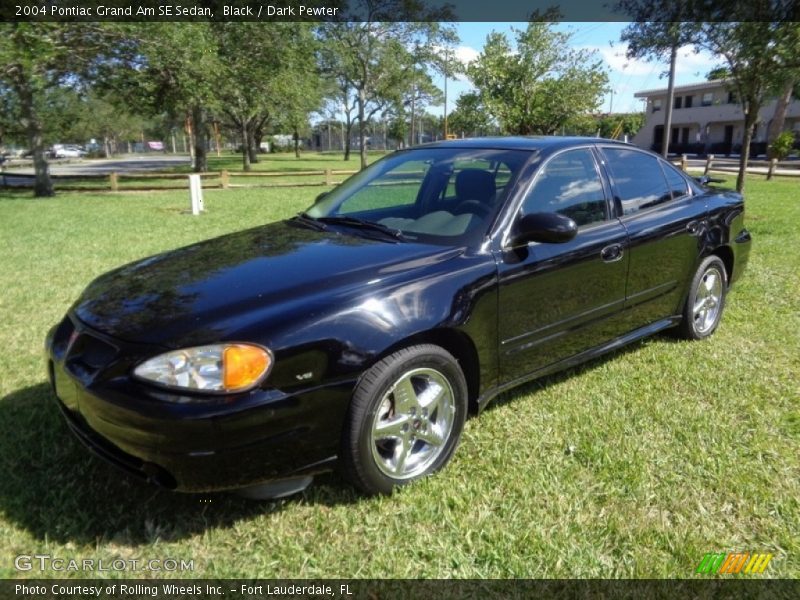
[(115, 181), (731, 165)]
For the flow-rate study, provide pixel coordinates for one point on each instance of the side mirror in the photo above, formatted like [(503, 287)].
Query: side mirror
[(705, 180), (320, 197), (548, 228)]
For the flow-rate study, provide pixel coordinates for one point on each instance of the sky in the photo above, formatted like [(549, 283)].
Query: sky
[(625, 77)]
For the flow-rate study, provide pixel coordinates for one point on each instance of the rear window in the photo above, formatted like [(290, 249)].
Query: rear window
[(639, 181)]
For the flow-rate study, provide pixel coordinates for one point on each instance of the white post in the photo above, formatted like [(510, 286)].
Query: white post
[(196, 191)]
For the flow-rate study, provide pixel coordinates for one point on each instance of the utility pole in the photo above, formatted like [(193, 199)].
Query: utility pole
[(670, 100), (446, 68)]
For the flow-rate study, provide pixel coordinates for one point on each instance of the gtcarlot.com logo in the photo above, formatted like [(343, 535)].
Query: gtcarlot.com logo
[(733, 563), (46, 562)]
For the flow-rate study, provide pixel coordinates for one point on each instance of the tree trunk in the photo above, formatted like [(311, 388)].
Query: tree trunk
[(362, 101), (200, 135), (245, 147), (347, 133), (43, 185), (106, 147), (779, 118), (252, 149), (296, 137), (750, 120), (258, 137), (670, 100)]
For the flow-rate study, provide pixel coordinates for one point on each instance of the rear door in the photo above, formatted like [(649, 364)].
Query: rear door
[(664, 222), (556, 300)]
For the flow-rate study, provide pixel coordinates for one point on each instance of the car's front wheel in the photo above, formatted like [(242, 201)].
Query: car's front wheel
[(706, 300), (405, 419)]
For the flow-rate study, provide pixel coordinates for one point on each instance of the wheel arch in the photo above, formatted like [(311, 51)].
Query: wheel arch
[(725, 254), (457, 343)]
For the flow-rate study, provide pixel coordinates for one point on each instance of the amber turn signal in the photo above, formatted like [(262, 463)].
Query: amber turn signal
[(243, 365)]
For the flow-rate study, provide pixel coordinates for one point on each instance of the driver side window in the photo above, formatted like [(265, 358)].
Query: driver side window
[(569, 184)]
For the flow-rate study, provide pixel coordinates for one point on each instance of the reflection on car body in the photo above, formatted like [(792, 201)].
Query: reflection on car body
[(361, 332)]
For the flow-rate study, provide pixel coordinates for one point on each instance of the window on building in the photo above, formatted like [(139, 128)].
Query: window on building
[(708, 99), (687, 102), (570, 185), (656, 104), (638, 179), (732, 99), (678, 102)]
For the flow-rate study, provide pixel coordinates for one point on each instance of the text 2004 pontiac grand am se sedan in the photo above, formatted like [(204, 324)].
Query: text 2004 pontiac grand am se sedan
[(363, 331)]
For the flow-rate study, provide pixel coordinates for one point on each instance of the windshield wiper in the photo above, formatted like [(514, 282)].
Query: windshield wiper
[(362, 224), (313, 222)]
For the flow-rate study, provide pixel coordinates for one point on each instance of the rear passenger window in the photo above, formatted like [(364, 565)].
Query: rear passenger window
[(677, 184), (569, 184), (638, 179)]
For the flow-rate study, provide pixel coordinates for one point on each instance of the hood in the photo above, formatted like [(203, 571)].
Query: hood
[(182, 296)]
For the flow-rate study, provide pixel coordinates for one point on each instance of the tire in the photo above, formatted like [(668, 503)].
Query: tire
[(405, 419), (706, 300)]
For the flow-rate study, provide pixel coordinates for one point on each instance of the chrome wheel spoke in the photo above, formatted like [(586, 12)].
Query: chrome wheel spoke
[(710, 282), (401, 452), (699, 305), (432, 397), (391, 428), (405, 397), (431, 436)]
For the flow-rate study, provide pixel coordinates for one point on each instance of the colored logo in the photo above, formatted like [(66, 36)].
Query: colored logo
[(733, 563)]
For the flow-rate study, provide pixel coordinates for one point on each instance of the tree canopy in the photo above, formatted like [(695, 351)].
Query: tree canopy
[(537, 84)]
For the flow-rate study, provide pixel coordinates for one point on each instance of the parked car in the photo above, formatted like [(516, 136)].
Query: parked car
[(67, 151), (362, 332)]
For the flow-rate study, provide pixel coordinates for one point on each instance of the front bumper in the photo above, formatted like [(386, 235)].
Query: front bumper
[(185, 442)]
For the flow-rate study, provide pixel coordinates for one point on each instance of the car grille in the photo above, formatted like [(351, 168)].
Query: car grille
[(84, 353)]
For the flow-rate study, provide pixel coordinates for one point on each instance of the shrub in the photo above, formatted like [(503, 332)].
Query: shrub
[(782, 145)]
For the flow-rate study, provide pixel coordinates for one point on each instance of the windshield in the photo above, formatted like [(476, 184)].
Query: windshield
[(435, 195)]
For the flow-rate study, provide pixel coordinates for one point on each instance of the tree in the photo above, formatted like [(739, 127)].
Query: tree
[(268, 72), (470, 117), (168, 67), (536, 86), (660, 41), (757, 54), (756, 40), (368, 54), (36, 61), (301, 85)]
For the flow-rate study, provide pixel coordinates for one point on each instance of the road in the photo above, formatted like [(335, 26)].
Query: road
[(99, 167)]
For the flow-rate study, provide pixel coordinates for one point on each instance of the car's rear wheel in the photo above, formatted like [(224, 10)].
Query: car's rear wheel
[(405, 419), (706, 300)]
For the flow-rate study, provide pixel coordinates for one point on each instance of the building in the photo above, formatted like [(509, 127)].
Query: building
[(707, 119)]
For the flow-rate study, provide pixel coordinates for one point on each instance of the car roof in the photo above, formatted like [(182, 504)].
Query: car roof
[(541, 142)]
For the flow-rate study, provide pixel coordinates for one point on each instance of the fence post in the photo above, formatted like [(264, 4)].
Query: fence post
[(772, 164), (224, 177), (684, 162), (113, 180), (328, 176), (709, 162), (196, 193)]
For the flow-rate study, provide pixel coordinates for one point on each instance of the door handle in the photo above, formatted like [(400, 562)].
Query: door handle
[(611, 253)]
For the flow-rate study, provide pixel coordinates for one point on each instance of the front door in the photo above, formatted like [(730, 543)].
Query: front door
[(557, 300)]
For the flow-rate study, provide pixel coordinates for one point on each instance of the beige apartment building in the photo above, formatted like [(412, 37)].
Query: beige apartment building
[(706, 119)]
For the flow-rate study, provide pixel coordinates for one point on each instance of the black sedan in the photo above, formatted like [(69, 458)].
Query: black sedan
[(363, 331)]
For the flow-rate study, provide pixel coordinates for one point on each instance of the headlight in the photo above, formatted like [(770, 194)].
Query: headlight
[(216, 368)]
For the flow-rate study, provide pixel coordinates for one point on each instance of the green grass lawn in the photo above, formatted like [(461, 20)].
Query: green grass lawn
[(634, 465)]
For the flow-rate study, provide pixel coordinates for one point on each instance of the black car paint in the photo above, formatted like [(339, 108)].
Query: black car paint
[(330, 304)]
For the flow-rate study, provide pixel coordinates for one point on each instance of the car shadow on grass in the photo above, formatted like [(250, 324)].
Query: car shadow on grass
[(56, 489), (542, 383)]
